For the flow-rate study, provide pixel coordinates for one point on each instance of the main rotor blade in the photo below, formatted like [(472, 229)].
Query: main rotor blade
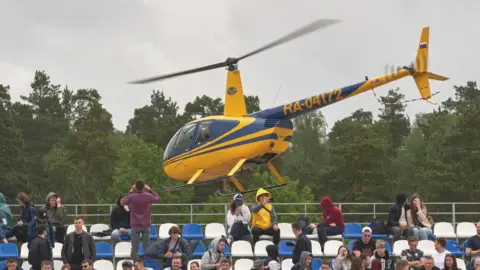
[(318, 24), (180, 73)]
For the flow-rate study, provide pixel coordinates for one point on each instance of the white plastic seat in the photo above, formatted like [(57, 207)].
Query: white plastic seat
[(24, 252), (241, 248), (123, 249), (26, 265), (286, 231), (57, 264), (266, 237), (12, 239), (243, 264), (331, 248), (333, 237), (71, 228), (312, 236), (466, 230), (316, 249), (288, 264), (199, 261), (163, 230), (100, 227), (57, 250), (427, 246), (461, 264), (445, 230), (214, 230), (119, 263), (399, 246), (260, 249), (103, 264)]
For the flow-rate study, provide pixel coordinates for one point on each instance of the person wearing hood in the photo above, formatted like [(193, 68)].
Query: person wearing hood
[(381, 259), (28, 213), (211, 258), (41, 218), (264, 217), (238, 217), (397, 218), (56, 214), (272, 262), (332, 223), (305, 262), (120, 221), (167, 249), (6, 220)]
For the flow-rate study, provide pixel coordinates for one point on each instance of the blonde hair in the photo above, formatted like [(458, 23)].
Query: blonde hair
[(380, 243)]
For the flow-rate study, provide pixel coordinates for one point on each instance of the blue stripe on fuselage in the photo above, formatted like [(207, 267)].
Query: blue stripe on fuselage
[(306, 105)]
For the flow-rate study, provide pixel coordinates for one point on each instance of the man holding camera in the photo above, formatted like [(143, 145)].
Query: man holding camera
[(140, 200), (264, 218)]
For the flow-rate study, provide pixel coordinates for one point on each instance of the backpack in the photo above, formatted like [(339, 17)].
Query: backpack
[(378, 226)]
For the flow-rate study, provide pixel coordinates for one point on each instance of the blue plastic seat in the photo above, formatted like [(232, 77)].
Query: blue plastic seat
[(141, 250), (199, 250), (350, 245), (377, 236), (3, 264), (226, 250), (155, 265), (317, 263), (125, 237), (192, 231), (103, 250), (8, 250), (454, 248), (284, 250), (353, 231), (153, 232)]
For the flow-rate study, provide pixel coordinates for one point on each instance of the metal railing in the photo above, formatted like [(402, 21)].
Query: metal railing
[(362, 213)]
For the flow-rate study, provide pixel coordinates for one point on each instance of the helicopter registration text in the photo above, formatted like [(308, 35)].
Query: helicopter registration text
[(313, 102)]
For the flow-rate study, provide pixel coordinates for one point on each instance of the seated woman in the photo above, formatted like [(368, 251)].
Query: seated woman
[(238, 217), (418, 220), (343, 261)]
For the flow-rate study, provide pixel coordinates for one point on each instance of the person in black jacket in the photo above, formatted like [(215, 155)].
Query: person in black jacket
[(120, 221), (40, 249), (302, 244), (397, 221)]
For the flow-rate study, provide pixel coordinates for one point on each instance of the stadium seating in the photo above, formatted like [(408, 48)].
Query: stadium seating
[(316, 248), (163, 230), (199, 250), (399, 246), (331, 248), (353, 231), (97, 228), (287, 264), (192, 231), (260, 248), (8, 250), (444, 229), (286, 231), (155, 265), (243, 264), (71, 228), (316, 264), (461, 264), (427, 246), (24, 251), (454, 248), (284, 250), (241, 248), (102, 264), (57, 264), (466, 230), (214, 230), (103, 250)]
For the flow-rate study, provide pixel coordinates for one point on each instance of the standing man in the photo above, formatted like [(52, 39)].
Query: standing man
[(140, 200), (40, 249), (302, 244), (79, 246)]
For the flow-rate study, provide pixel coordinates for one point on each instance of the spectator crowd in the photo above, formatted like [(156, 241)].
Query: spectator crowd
[(44, 226)]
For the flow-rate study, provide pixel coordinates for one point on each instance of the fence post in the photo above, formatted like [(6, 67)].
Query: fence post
[(191, 213), (453, 215), (374, 210)]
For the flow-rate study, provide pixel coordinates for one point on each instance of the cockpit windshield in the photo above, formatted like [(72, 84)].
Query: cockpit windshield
[(181, 141), (170, 145)]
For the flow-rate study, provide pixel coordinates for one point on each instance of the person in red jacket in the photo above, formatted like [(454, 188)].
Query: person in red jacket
[(332, 223)]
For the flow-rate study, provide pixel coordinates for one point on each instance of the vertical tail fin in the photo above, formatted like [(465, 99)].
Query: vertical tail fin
[(422, 75)]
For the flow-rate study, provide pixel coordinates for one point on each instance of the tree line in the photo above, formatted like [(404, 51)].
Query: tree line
[(58, 139)]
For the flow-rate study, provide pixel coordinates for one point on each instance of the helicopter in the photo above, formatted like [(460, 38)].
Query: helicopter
[(222, 147)]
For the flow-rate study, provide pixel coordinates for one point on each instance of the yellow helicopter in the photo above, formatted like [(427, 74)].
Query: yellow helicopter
[(221, 147)]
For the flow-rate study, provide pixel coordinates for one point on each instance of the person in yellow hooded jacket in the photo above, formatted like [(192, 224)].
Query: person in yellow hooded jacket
[(264, 217)]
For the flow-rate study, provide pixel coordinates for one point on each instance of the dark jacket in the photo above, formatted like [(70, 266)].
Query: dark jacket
[(331, 213), (32, 232), (396, 210), (303, 259), (39, 251), (56, 215), (272, 252), (119, 218), (158, 249), (29, 212), (386, 262), (302, 244), (88, 247)]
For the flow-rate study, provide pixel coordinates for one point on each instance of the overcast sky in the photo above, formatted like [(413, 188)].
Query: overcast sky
[(104, 44)]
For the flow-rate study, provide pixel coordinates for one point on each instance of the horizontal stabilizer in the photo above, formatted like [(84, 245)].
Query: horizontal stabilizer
[(437, 77)]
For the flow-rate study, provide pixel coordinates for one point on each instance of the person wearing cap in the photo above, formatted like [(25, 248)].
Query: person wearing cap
[(238, 217), (366, 245), (264, 217), (41, 218)]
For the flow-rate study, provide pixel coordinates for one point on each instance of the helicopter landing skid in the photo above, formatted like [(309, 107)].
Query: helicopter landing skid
[(194, 184), (248, 191)]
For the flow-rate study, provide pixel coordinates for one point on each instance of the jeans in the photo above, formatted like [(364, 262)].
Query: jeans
[(397, 233), (145, 235), (257, 232), (5, 233), (421, 233), (324, 231), (115, 235)]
